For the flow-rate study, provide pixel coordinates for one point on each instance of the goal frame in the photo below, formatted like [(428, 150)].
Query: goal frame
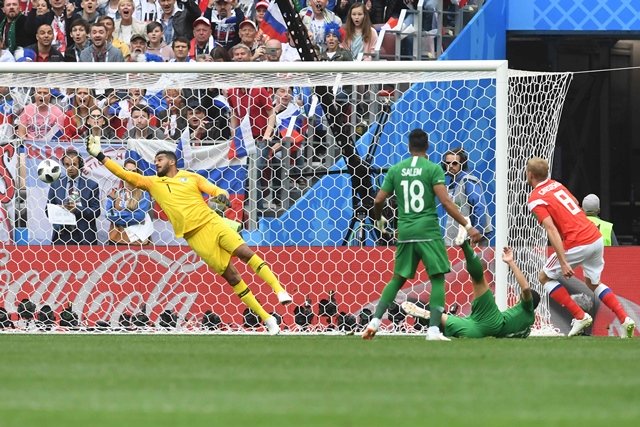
[(497, 68)]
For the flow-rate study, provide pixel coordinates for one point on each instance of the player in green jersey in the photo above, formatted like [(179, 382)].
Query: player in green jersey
[(486, 320), (417, 182)]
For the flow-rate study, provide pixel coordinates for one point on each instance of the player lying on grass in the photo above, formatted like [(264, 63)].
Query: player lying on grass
[(179, 194), (486, 320)]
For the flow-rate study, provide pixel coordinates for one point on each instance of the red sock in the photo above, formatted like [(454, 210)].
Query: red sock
[(561, 296), (609, 299)]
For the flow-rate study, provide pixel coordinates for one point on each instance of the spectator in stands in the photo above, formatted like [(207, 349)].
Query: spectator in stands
[(240, 53), (40, 120), (5, 54), (467, 192), (80, 37), (156, 44), (89, 11), (332, 50), (127, 25), (177, 21), (110, 26), (147, 11), (272, 152), (7, 116), (248, 33), (13, 27), (41, 6), (141, 129), (43, 48), (220, 54), (261, 10), (342, 9), (254, 105), (75, 126), (202, 128), (360, 36), (225, 22), (289, 52), (203, 41), (97, 125), (100, 49), (81, 197), (591, 207), (314, 17), (138, 48), (110, 9), (273, 50), (127, 210), (173, 121), (60, 17), (180, 47)]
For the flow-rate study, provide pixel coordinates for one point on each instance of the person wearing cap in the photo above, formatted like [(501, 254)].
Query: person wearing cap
[(138, 46), (261, 10), (225, 22), (177, 18), (248, 33), (203, 41), (127, 25), (591, 207)]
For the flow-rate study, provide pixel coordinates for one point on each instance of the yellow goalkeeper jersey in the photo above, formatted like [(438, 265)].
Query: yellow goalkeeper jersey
[(179, 197)]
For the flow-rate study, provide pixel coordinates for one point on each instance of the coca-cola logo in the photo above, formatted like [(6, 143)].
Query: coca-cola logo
[(108, 287)]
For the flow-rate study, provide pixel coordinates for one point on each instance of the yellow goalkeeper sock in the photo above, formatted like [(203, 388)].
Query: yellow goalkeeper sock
[(245, 294), (264, 272)]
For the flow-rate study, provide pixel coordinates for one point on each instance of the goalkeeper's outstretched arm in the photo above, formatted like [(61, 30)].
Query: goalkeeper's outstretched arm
[(94, 148)]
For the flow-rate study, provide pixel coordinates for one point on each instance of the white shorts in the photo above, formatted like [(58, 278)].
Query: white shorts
[(590, 257)]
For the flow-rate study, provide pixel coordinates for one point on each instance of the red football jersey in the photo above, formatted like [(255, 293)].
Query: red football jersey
[(551, 198)]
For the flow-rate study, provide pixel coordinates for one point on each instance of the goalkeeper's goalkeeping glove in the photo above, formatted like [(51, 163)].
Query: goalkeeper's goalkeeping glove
[(94, 148), (219, 204)]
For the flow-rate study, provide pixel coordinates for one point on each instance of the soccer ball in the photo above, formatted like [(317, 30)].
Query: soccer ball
[(48, 171)]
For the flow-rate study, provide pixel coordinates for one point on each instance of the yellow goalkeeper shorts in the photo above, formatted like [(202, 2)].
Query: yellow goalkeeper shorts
[(214, 242)]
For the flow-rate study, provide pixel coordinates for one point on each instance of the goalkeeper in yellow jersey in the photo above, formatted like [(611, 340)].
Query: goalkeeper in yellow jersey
[(179, 194)]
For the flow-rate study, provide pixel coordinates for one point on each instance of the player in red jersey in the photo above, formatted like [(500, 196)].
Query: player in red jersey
[(576, 241)]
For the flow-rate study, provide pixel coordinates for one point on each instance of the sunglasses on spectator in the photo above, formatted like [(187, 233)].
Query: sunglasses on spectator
[(453, 163)]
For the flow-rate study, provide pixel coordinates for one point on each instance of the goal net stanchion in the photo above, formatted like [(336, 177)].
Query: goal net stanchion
[(300, 227)]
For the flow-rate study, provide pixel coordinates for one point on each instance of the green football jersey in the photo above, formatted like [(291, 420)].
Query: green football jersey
[(412, 181), (518, 320)]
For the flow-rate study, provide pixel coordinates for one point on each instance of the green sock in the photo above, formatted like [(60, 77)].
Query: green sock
[(388, 295), (436, 300), (474, 265)]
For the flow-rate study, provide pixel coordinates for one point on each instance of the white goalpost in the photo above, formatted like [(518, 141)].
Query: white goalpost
[(300, 197)]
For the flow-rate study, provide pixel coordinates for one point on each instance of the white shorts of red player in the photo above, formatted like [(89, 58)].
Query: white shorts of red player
[(590, 257)]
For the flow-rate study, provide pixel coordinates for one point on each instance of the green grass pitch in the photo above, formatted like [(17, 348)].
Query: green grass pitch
[(173, 380)]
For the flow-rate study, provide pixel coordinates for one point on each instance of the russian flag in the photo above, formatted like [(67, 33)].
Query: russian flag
[(242, 144), (292, 123), (273, 24)]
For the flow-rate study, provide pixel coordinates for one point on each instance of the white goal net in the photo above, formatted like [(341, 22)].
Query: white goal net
[(300, 147)]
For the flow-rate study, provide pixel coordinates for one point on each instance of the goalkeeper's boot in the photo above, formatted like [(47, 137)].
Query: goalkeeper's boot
[(413, 310), (579, 325), (629, 326), (434, 334), (284, 298), (462, 233), (271, 324), (371, 329)]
